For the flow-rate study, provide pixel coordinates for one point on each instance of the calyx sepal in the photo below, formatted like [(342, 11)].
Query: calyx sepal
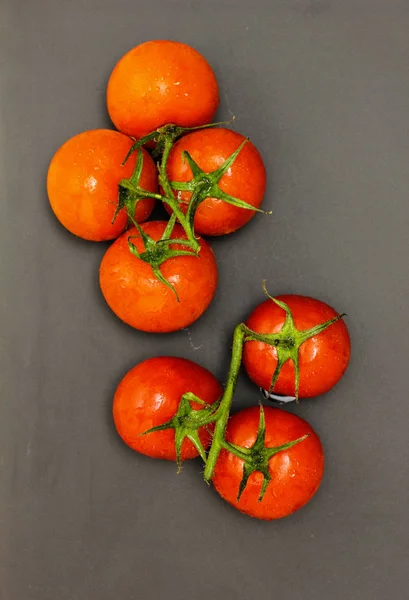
[(256, 458), (186, 422)]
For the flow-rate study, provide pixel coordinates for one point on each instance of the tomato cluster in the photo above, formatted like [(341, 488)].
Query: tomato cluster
[(160, 276)]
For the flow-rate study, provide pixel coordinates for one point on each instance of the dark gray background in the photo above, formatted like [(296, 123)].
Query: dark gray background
[(322, 89)]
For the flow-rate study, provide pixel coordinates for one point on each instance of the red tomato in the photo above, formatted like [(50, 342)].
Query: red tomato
[(245, 179), (83, 180), (323, 358), (296, 473), (137, 297), (161, 82), (149, 396)]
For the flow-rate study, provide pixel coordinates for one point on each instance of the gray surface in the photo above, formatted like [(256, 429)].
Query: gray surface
[(322, 88)]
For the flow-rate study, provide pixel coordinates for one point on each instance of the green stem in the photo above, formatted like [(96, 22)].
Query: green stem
[(169, 197), (162, 168), (223, 412), (169, 228)]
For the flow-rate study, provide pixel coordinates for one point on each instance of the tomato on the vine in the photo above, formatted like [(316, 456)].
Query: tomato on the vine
[(295, 473), (135, 294), (323, 358), (161, 82), (245, 179), (83, 179), (149, 395)]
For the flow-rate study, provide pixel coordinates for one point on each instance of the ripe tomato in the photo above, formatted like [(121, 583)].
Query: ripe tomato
[(323, 359), (137, 297), (245, 179), (149, 396), (161, 82), (296, 473), (82, 184)]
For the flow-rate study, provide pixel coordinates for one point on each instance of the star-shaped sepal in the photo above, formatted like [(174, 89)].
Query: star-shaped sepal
[(186, 422), (256, 458)]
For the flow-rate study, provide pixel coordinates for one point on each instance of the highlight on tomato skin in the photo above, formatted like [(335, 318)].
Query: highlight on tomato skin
[(83, 179), (138, 298), (296, 473), (245, 179), (160, 82), (149, 395), (323, 359)]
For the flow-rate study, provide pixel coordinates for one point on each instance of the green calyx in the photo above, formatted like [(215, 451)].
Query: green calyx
[(288, 341), (256, 458), (156, 253), (206, 185), (187, 422)]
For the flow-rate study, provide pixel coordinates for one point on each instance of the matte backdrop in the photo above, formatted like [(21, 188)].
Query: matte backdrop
[(322, 89)]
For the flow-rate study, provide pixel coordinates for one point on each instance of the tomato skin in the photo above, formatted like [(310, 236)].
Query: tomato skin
[(323, 359), (246, 179), (149, 395), (82, 184), (138, 298), (161, 82), (296, 472)]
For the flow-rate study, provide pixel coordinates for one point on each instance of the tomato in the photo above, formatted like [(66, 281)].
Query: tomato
[(323, 358), (296, 473), (137, 297), (161, 82), (245, 179), (149, 396), (83, 180)]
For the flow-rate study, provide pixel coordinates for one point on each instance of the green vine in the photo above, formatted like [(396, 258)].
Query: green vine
[(187, 420), (203, 185)]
